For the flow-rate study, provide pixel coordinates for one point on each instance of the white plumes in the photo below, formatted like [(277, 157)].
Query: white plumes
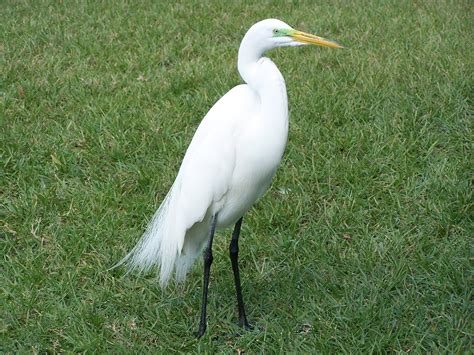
[(167, 245), (157, 247)]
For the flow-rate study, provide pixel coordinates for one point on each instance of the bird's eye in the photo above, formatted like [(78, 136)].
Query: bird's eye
[(275, 31)]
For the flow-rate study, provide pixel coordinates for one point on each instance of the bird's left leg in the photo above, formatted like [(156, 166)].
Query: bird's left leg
[(234, 256), (207, 269)]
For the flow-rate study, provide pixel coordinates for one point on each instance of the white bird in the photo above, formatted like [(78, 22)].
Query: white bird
[(227, 167)]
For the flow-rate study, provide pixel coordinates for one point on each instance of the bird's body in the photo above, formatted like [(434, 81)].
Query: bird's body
[(228, 165), (234, 147)]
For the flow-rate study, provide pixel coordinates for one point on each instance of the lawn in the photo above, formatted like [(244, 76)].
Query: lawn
[(362, 244)]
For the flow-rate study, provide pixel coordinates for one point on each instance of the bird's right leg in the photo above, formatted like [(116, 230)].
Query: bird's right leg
[(234, 256), (207, 269)]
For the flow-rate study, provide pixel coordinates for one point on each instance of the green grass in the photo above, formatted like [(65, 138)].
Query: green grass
[(361, 245)]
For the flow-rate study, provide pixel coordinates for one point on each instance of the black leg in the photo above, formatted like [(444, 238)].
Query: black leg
[(234, 255), (207, 268)]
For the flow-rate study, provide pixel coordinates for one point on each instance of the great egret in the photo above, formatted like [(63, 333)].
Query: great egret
[(227, 167)]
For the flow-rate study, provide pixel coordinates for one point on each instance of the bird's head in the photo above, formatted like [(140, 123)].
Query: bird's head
[(272, 33)]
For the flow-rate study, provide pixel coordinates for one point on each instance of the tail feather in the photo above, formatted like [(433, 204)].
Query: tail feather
[(166, 244), (157, 247)]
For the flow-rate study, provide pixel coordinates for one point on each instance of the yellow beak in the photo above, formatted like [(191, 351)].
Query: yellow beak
[(308, 38)]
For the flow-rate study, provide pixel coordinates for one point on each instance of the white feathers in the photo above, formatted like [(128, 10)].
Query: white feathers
[(157, 245)]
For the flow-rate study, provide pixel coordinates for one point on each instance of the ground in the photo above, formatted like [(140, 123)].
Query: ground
[(362, 243)]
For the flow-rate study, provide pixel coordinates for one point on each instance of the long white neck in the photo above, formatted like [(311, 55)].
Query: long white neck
[(263, 76)]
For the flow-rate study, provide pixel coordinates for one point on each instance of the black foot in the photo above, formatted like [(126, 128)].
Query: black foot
[(245, 325), (200, 332)]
